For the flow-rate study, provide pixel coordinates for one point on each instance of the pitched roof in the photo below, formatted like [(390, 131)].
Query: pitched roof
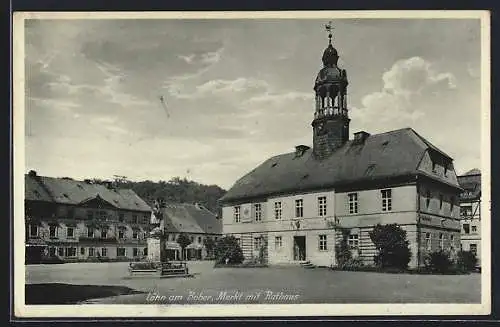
[(69, 191), (190, 218), (471, 183), (385, 155)]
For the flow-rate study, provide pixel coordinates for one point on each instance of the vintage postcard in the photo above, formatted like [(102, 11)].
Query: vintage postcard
[(225, 164)]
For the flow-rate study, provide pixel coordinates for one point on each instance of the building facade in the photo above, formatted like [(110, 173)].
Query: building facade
[(195, 221), (73, 220), (470, 211), (291, 207)]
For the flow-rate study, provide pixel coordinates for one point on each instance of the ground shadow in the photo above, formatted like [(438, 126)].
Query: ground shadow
[(59, 293)]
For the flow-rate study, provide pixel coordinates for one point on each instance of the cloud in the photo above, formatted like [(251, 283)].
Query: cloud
[(280, 98), (408, 87), (212, 57), (188, 59)]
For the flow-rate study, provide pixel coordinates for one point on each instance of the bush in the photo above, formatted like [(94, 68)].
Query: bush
[(228, 248), (466, 260), (392, 245), (439, 262)]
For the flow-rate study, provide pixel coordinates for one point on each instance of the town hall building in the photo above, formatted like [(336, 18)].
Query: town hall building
[(288, 207)]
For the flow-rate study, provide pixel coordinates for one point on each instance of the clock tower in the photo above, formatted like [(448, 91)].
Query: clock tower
[(331, 121)]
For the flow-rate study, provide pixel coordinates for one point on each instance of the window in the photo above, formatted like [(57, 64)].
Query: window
[(441, 241), (257, 243), (199, 239), (353, 241), (70, 232), (445, 170), (452, 204), (120, 252), (121, 217), (70, 252), (135, 252), (428, 241), (82, 251), (90, 232), (386, 200), (121, 234), (135, 235), (473, 248), (353, 202), (427, 198), (91, 252), (135, 219), (192, 239), (104, 252), (103, 215), (33, 230), (277, 210), (238, 240), (104, 233), (322, 243), (433, 167), (90, 214), (60, 252), (145, 219), (466, 228), (473, 229), (53, 231), (236, 214), (52, 251), (258, 211), (322, 206), (440, 201), (278, 242), (299, 208), (71, 213), (466, 211)]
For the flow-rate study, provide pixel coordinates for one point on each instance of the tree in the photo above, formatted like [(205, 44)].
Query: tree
[(209, 246), (227, 247), (392, 246), (183, 240)]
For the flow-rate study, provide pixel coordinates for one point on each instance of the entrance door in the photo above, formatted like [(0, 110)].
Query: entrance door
[(299, 248)]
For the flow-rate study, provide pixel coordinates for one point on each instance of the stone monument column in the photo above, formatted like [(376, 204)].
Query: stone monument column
[(156, 239)]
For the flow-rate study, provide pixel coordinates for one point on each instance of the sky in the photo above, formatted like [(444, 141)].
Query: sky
[(236, 91)]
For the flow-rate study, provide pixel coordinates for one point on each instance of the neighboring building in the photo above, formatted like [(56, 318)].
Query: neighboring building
[(470, 211), (194, 220), (288, 206), (78, 221)]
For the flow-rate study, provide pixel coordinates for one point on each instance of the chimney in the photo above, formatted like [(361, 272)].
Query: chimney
[(360, 137), (32, 173), (300, 150)]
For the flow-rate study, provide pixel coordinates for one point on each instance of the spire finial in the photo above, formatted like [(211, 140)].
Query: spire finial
[(329, 28)]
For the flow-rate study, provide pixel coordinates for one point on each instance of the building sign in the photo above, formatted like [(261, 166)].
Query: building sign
[(246, 213), (439, 222)]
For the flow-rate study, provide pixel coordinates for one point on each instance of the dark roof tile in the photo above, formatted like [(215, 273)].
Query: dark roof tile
[(391, 154)]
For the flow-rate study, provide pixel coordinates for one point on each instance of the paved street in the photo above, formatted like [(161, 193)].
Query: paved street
[(264, 285)]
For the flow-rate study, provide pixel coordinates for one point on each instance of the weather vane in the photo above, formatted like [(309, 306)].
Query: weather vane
[(329, 29)]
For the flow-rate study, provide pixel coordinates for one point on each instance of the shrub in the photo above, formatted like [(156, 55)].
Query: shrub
[(228, 248), (466, 260), (342, 251), (439, 262), (392, 246), (183, 240)]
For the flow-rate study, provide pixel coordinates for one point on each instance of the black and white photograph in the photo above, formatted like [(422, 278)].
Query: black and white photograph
[(221, 164)]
